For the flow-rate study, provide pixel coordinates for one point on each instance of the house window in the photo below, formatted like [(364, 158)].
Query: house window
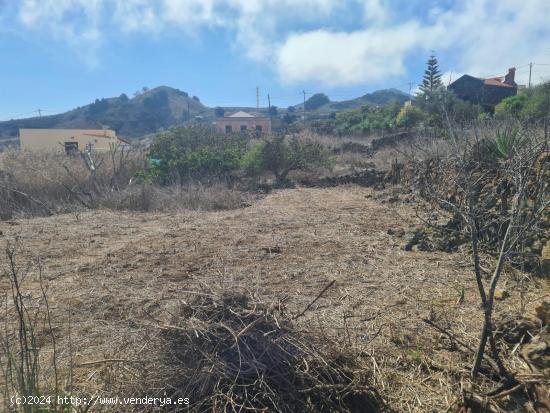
[(228, 129), (258, 128), (243, 128)]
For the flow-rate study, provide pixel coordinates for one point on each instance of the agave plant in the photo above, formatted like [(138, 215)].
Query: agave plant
[(506, 143)]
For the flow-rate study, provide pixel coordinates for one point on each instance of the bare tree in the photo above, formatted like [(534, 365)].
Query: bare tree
[(497, 188)]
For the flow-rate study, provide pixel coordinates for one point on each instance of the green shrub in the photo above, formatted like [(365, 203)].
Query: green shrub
[(511, 106), (367, 119), (195, 153), (409, 117), (251, 161), (530, 103), (279, 156), (538, 103)]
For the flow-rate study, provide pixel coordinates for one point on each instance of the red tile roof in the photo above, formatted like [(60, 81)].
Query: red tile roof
[(497, 81)]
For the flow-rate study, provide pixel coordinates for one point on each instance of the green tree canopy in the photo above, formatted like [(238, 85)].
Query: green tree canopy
[(432, 76), (196, 153), (280, 156)]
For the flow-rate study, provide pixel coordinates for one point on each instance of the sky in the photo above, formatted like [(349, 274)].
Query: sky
[(59, 54)]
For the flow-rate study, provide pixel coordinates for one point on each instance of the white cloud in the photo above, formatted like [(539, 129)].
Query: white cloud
[(376, 11), (72, 21), (340, 58), (485, 37), (491, 36)]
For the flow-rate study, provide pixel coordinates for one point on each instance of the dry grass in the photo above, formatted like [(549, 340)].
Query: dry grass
[(143, 198), (41, 184), (118, 274)]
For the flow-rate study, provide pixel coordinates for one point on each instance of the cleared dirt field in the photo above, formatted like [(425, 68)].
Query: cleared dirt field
[(114, 272)]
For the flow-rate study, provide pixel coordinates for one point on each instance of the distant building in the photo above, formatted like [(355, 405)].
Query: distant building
[(243, 122), (486, 92), (69, 140)]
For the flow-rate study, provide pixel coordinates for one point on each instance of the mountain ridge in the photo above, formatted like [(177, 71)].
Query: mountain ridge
[(163, 107)]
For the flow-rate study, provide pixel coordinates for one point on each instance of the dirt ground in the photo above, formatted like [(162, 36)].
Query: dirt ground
[(111, 271)]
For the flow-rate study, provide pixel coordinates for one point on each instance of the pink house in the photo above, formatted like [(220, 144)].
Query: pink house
[(243, 122)]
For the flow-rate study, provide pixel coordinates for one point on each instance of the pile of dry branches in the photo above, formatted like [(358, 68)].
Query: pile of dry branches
[(228, 353)]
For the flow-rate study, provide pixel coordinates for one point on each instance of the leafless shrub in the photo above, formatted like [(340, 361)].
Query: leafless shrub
[(40, 183), (231, 353), (494, 184)]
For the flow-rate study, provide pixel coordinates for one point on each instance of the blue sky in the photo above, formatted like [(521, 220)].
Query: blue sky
[(59, 54)]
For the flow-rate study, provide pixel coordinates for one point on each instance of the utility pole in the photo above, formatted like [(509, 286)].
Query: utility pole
[(530, 71), (188, 112), (304, 108), (257, 97), (269, 104)]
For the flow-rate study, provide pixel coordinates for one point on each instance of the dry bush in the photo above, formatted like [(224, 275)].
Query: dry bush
[(228, 352), (494, 187), (41, 183), (45, 183)]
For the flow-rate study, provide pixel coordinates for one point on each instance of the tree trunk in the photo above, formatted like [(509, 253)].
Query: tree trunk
[(481, 347)]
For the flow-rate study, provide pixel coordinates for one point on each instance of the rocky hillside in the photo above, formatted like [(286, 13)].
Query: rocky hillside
[(160, 107)]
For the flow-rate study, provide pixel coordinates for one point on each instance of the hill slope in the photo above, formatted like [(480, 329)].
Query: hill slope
[(160, 107), (377, 98), (320, 102)]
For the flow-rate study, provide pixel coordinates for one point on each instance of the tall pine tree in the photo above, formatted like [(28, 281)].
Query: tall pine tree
[(432, 76)]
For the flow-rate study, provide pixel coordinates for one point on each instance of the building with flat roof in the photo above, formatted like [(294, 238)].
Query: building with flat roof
[(69, 140)]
